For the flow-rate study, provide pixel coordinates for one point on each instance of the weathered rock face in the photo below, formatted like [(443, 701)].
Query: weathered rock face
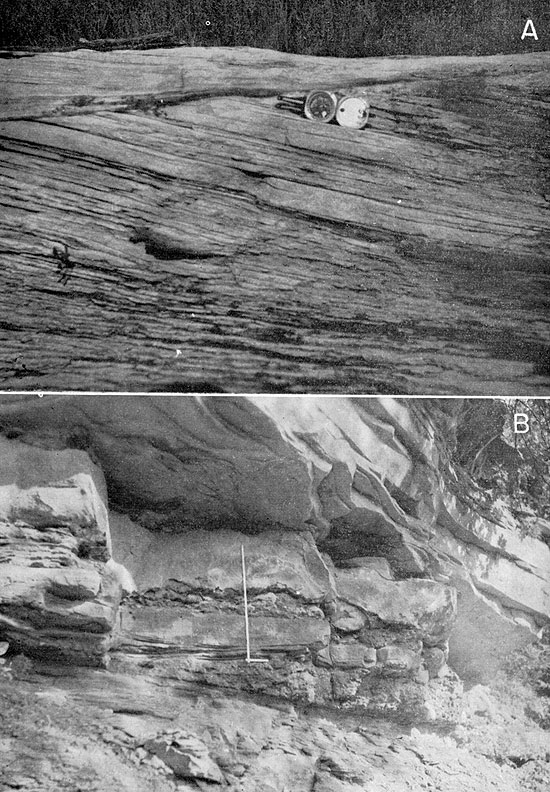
[(260, 252), (134, 732), (58, 596), (329, 636), (371, 582)]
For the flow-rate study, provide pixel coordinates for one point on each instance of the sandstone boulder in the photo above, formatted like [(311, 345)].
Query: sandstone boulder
[(399, 660), (211, 560), (186, 755), (352, 655), (426, 606), (58, 599), (347, 618), (55, 489)]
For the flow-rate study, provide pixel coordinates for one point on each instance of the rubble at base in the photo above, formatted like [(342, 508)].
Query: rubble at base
[(362, 583)]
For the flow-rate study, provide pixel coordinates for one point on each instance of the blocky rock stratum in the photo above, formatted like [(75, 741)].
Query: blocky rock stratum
[(373, 582)]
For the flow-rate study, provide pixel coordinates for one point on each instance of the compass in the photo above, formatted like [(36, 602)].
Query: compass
[(353, 111), (320, 106)]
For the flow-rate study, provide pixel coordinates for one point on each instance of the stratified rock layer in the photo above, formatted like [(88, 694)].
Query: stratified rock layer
[(223, 244), (368, 573), (58, 597)]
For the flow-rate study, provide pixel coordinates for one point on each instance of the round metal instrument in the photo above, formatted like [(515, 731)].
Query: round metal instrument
[(320, 106), (353, 111)]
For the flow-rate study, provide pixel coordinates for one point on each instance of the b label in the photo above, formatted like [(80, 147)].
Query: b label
[(521, 423)]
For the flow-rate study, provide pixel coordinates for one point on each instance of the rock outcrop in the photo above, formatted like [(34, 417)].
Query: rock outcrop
[(373, 582), (376, 589), (219, 243), (59, 595)]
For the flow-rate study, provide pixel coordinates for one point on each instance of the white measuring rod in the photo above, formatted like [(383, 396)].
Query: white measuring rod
[(246, 625)]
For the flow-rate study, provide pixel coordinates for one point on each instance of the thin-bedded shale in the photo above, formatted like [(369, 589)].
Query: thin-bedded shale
[(222, 243)]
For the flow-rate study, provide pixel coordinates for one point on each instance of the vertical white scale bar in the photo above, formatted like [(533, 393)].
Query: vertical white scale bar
[(246, 628), (246, 625)]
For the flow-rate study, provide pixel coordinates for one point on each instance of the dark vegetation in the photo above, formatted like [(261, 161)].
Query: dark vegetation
[(529, 482), (344, 28), (507, 465)]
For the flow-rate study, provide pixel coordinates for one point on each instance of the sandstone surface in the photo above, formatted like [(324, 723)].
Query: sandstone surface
[(376, 588), (58, 597), (356, 478), (223, 244)]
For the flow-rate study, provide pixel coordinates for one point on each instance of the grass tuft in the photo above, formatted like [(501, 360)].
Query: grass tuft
[(343, 28)]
